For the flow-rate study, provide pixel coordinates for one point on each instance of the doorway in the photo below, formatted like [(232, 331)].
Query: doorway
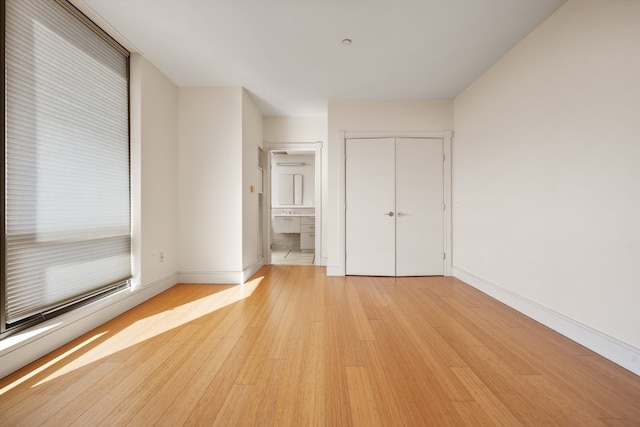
[(293, 190)]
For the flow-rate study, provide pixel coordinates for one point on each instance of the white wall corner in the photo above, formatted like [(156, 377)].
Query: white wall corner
[(608, 347)]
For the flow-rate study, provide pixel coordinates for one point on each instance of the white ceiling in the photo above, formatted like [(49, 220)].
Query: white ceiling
[(288, 53)]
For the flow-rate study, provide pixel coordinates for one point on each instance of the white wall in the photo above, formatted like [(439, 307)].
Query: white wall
[(251, 140), (154, 176), (391, 117), (295, 129), (546, 178), (159, 172), (210, 183)]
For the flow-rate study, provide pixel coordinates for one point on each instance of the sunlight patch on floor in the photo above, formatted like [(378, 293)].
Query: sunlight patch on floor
[(154, 325), (49, 364)]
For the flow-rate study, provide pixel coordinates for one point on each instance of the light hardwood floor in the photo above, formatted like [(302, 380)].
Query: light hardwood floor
[(293, 347)]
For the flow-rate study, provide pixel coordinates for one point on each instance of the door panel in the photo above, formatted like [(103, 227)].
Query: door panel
[(405, 177), (370, 195), (419, 202)]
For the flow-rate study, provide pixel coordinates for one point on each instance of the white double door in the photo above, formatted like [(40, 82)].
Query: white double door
[(394, 207)]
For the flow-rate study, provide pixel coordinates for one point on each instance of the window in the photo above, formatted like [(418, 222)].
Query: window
[(66, 211)]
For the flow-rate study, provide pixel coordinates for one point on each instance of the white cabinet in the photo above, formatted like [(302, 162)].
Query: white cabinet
[(307, 232), (307, 241), (307, 228), (286, 224), (296, 221)]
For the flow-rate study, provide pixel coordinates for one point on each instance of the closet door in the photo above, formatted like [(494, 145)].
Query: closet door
[(370, 207), (420, 207), (394, 207)]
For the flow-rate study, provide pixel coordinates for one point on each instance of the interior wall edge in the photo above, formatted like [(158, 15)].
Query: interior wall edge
[(606, 346)]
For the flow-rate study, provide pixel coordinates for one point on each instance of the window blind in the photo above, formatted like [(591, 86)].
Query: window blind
[(66, 184)]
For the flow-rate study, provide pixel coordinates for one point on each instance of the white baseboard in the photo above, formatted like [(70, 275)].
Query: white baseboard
[(335, 270), (251, 270), (616, 351), (220, 277), (214, 277), (24, 347)]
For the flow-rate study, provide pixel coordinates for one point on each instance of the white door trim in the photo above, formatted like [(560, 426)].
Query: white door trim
[(446, 136), (288, 146)]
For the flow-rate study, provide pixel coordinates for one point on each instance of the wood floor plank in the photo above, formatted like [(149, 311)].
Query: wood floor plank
[(619, 422), (337, 410), (585, 376), (296, 347), (233, 411), (421, 395), (287, 319), (294, 405), (24, 415), (362, 397), (56, 411), (473, 414), (263, 402), (209, 404), (180, 377), (494, 408), (495, 337), (433, 350), (127, 393), (359, 315), (387, 400), (186, 400), (567, 410)]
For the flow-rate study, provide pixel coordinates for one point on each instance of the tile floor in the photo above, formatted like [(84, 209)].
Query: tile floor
[(292, 257)]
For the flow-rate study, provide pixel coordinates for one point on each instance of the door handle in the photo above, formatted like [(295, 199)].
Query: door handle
[(389, 214), (402, 214)]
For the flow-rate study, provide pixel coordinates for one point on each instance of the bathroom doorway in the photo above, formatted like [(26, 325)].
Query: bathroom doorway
[(292, 223)]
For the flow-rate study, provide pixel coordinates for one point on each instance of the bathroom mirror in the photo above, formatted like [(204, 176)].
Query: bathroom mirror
[(290, 189), (285, 191), (297, 189)]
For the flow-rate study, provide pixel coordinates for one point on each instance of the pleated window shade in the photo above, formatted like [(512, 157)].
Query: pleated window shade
[(67, 197)]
